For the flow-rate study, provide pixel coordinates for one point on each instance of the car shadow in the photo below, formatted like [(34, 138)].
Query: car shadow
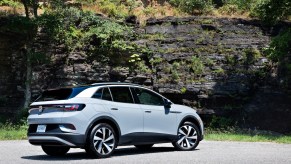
[(118, 152)]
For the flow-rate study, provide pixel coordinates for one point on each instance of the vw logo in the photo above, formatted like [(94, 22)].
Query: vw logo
[(40, 109)]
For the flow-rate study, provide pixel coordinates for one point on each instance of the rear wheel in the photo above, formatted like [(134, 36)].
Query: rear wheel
[(144, 147), (55, 150), (188, 137), (102, 141)]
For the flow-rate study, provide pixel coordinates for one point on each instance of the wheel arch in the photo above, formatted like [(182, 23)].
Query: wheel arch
[(193, 120), (103, 119)]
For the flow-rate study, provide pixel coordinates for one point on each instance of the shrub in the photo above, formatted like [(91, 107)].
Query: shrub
[(279, 52), (279, 46), (221, 122), (272, 11), (192, 6), (197, 66), (113, 9), (251, 55), (87, 31), (11, 3), (245, 5), (228, 9)]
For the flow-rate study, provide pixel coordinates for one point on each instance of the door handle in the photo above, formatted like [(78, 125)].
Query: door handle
[(114, 108), (148, 111)]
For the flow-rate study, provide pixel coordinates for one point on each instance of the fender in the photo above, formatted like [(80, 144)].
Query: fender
[(196, 122), (101, 118)]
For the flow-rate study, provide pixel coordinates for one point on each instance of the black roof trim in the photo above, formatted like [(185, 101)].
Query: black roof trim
[(93, 85), (112, 83)]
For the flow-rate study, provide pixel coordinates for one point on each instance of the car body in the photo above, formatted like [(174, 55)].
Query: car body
[(118, 113)]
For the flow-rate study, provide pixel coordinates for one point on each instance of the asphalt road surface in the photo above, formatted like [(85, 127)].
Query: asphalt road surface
[(206, 152)]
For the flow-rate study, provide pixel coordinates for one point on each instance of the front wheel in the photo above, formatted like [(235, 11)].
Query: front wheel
[(188, 137), (55, 150), (102, 141)]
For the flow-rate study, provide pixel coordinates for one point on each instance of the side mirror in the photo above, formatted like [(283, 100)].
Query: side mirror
[(167, 103)]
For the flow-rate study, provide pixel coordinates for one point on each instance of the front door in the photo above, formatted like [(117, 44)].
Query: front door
[(157, 119)]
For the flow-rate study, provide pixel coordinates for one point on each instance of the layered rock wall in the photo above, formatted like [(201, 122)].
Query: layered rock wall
[(213, 64)]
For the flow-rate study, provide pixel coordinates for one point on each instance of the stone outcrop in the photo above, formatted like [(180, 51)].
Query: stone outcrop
[(212, 64)]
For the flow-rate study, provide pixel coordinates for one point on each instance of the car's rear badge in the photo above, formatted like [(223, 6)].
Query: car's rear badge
[(40, 109)]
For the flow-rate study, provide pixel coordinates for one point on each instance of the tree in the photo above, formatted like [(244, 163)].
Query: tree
[(27, 49), (272, 11), (30, 4)]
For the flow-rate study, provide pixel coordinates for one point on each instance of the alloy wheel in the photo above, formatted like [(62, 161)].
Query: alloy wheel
[(104, 141), (188, 137)]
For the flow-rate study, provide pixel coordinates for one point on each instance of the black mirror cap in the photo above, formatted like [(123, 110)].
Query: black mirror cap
[(167, 103)]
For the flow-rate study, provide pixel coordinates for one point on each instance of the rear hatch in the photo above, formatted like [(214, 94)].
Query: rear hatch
[(52, 103)]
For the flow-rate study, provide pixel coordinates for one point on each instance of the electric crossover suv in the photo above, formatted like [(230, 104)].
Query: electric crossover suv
[(102, 116)]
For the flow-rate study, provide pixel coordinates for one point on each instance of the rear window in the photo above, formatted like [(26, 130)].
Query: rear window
[(60, 94)]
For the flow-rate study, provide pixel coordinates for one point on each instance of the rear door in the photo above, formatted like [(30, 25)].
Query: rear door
[(127, 114)]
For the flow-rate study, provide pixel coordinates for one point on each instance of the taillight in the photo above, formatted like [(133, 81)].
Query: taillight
[(62, 107), (70, 107)]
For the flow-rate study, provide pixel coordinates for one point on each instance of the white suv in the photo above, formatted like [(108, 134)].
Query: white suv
[(102, 116)]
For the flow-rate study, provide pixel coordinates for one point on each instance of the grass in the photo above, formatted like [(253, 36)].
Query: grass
[(18, 132), (247, 136), (13, 132)]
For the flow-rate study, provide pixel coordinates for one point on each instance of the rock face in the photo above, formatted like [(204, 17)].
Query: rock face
[(12, 75), (214, 65)]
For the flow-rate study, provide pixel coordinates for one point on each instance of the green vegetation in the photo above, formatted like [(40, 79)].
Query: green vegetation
[(183, 90), (193, 6), (279, 46), (272, 11), (10, 131), (197, 66), (11, 3), (251, 55), (84, 30), (246, 136), (18, 132), (278, 52)]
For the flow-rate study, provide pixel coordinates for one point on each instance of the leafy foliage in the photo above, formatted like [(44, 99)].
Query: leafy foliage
[(192, 6), (12, 3), (84, 30), (241, 4), (280, 46), (279, 52), (113, 8), (20, 25), (197, 66), (272, 11)]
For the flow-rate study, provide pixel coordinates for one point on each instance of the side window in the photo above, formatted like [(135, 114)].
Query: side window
[(98, 94), (102, 93), (148, 98), (106, 95), (121, 94)]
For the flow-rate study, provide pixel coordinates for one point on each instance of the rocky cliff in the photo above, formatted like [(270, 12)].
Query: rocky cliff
[(213, 64)]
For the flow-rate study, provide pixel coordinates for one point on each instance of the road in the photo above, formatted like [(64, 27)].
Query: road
[(206, 152)]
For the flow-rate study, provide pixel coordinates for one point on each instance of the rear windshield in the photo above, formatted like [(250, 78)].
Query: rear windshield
[(60, 94)]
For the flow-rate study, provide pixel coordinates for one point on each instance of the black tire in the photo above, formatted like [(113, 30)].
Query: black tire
[(55, 150), (89, 151), (186, 140), (102, 141), (144, 147)]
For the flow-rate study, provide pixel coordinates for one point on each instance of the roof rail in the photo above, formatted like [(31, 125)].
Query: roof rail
[(112, 83)]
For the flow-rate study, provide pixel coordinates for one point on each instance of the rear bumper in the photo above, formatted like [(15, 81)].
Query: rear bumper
[(57, 139)]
